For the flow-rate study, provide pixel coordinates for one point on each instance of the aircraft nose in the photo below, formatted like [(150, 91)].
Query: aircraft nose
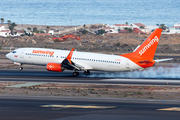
[(8, 55)]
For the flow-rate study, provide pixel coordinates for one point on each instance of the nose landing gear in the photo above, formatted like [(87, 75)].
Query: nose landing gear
[(21, 68)]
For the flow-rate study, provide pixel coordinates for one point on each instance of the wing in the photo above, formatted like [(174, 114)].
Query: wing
[(70, 65)]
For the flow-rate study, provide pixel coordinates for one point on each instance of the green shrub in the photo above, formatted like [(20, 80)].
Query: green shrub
[(100, 32), (118, 44), (84, 32)]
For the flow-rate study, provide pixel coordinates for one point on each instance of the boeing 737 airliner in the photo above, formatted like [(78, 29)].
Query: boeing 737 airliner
[(60, 60)]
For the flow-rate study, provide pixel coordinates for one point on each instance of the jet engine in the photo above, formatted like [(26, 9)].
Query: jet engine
[(55, 67)]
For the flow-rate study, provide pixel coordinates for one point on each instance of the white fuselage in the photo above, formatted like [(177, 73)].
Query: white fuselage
[(89, 61)]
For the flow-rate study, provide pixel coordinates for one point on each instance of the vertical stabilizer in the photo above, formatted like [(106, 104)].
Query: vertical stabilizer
[(144, 54), (148, 47)]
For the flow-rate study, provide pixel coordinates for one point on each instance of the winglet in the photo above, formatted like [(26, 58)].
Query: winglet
[(70, 55)]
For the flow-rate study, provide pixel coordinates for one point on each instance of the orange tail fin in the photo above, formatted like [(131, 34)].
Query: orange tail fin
[(147, 49)]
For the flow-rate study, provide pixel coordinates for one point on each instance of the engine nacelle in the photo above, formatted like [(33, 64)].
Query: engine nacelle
[(54, 67)]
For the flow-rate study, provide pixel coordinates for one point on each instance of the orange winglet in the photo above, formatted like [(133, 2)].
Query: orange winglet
[(70, 55)]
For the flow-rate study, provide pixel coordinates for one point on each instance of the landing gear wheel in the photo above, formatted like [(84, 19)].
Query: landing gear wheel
[(87, 72), (21, 68), (75, 74)]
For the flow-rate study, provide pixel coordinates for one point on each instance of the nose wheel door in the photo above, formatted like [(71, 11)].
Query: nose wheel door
[(22, 54), (128, 64)]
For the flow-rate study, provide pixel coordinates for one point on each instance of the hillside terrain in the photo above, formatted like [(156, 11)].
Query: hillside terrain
[(108, 43), (116, 43)]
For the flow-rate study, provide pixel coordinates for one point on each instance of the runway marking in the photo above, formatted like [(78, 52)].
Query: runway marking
[(78, 106), (101, 81), (170, 109), (105, 80), (26, 84), (142, 80)]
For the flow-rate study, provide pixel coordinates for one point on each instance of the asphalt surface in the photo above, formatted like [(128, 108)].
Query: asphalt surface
[(79, 108), (67, 77), (57, 108)]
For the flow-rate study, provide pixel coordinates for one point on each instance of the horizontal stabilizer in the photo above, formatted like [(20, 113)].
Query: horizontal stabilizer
[(161, 60)]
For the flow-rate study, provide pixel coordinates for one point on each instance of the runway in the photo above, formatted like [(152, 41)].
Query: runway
[(66, 77), (58, 108), (20, 107)]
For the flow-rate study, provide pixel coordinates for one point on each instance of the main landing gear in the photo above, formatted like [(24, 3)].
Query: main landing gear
[(75, 74), (87, 72)]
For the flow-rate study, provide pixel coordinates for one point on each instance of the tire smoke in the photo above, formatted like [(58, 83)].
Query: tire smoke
[(153, 72)]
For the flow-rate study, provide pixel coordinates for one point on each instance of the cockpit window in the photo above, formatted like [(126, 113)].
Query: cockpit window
[(14, 52)]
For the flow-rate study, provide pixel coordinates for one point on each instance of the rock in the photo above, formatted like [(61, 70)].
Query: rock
[(80, 44), (49, 42), (33, 41)]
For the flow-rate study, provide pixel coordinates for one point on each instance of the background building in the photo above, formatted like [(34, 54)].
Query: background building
[(4, 32), (118, 27), (174, 29)]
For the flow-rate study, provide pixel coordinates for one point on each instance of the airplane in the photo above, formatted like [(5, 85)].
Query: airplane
[(60, 60)]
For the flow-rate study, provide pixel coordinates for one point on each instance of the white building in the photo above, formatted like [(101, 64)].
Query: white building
[(174, 29), (19, 33), (51, 32), (141, 27), (120, 26), (110, 30), (4, 32)]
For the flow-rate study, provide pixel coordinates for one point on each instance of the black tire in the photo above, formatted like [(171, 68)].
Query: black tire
[(75, 74), (21, 68), (87, 72)]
